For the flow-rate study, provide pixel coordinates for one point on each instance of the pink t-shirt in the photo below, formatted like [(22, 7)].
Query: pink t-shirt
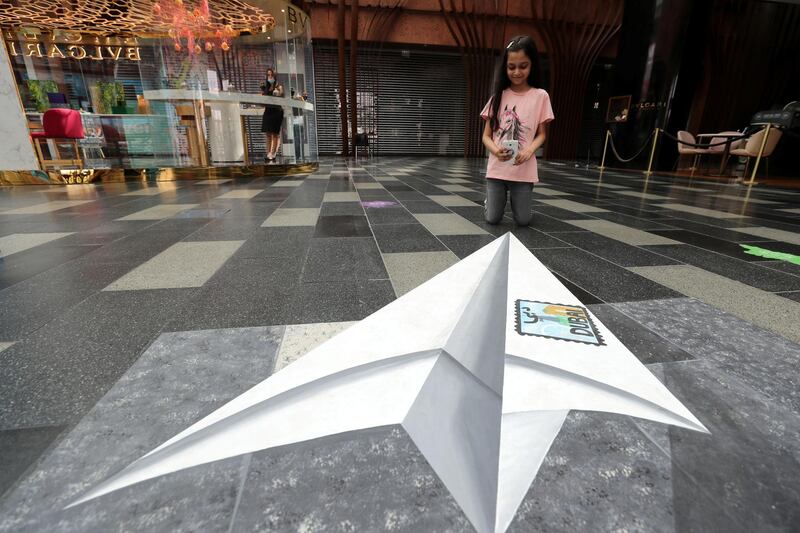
[(520, 116)]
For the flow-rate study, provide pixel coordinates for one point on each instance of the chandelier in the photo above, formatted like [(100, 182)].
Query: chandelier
[(190, 27), (188, 22)]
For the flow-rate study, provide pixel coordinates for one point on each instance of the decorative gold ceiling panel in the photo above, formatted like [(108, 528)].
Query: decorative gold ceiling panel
[(138, 17)]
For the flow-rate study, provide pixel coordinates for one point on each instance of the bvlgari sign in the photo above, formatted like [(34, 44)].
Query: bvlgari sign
[(71, 45)]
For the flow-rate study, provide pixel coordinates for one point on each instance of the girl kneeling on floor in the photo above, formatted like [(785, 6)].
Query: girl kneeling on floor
[(516, 120)]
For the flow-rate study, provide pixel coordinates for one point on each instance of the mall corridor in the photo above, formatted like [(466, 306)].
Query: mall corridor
[(130, 310)]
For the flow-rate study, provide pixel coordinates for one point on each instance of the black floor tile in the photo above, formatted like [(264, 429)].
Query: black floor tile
[(615, 251), (330, 209), (277, 242), (395, 238), (342, 226), (340, 186), (782, 266), (775, 246), (749, 273), (474, 214), (413, 196), (394, 186), (20, 448), (464, 245), (531, 238), (605, 280), (30, 304), (586, 298), (792, 224), (339, 302), (548, 224), (389, 215), (23, 265), (731, 249), (705, 229), (646, 345), (561, 214), (632, 222), (228, 229), (424, 206), (343, 259), (237, 306)]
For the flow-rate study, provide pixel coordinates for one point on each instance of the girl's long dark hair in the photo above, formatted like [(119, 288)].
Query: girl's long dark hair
[(501, 79)]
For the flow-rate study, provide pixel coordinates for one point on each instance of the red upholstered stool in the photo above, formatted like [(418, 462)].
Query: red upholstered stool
[(63, 126)]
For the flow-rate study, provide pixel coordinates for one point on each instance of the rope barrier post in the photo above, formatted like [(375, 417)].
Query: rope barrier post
[(652, 154), (760, 152), (605, 147)]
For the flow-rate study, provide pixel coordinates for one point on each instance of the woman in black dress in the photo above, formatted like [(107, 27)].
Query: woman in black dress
[(272, 120)]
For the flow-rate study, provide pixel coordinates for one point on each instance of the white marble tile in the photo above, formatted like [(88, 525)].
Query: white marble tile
[(711, 213), (645, 195), (771, 233), (544, 191), (769, 311), (621, 233), (240, 194), (300, 339), (5, 345), (300, 216), (745, 199), (575, 207), (19, 242), (288, 183), (346, 196), (182, 265), (411, 269), (210, 182), (451, 200), (455, 188), (158, 212), (448, 224), (47, 207)]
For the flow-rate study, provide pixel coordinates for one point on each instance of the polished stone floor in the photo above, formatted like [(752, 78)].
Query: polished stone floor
[(129, 311)]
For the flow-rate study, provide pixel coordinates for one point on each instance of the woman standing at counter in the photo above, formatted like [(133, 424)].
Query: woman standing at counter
[(272, 120)]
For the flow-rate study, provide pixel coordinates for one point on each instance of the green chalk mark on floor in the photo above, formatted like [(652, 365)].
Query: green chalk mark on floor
[(769, 254)]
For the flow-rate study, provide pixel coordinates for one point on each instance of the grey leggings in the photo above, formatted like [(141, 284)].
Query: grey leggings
[(496, 191)]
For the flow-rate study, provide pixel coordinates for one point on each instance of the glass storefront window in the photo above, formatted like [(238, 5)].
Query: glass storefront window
[(173, 100)]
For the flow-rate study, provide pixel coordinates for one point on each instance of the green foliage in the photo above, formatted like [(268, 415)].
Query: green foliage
[(112, 95), (39, 90)]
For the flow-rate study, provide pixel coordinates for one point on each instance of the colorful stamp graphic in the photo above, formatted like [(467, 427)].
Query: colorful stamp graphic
[(556, 321)]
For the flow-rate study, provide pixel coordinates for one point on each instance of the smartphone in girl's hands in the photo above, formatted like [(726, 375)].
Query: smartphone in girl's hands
[(513, 147)]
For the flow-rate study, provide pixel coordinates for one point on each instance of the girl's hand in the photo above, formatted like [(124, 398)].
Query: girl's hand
[(522, 156), (503, 154)]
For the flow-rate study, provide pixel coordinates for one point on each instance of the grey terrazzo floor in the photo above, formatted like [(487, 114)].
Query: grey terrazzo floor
[(130, 310)]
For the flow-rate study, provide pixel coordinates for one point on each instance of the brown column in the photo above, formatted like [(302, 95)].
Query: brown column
[(574, 33), (342, 82), (354, 71)]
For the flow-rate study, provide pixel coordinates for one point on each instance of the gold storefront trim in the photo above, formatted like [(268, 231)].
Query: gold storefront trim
[(111, 175)]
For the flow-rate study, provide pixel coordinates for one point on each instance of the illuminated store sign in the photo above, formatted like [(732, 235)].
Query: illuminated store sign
[(71, 45)]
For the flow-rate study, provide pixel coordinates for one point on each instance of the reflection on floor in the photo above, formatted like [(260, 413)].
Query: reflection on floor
[(128, 311)]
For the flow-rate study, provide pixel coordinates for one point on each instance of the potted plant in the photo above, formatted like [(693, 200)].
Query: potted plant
[(39, 90), (112, 97)]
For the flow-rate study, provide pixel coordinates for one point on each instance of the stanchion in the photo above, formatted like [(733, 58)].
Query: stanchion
[(760, 152), (652, 154), (605, 147)]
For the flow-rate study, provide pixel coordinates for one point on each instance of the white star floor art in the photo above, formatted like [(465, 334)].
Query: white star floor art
[(480, 365)]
